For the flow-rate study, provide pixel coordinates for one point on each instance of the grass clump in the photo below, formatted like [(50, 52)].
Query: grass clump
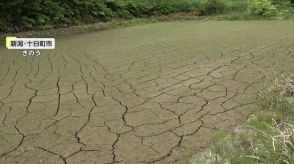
[(267, 136)]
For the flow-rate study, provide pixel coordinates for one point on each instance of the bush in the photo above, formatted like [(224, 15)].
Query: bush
[(16, 15), (237, 6), (285, 7), (119, 8), (282, 1), (138, 8), (262, 8), (212, 7)]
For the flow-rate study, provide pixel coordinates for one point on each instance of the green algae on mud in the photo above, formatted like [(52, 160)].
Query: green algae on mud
[(147, 93)]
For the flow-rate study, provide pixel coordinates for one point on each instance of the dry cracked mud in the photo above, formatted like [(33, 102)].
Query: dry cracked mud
[(146, 94)]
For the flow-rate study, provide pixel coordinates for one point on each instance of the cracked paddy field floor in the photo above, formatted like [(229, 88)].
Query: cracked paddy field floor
[(146, 94)]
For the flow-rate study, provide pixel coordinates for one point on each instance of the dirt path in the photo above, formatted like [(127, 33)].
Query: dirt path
[(145, 94)]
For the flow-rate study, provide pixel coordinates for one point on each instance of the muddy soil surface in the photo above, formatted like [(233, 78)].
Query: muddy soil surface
[(147, 94)]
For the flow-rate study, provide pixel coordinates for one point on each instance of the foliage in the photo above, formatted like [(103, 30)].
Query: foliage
[(262, 8), (285, 7), (213, 7), (236, 6), (282, 1), (18, 15), (268, 135)]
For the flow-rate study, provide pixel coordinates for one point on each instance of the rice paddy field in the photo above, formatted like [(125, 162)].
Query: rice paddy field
[(150, 93)]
